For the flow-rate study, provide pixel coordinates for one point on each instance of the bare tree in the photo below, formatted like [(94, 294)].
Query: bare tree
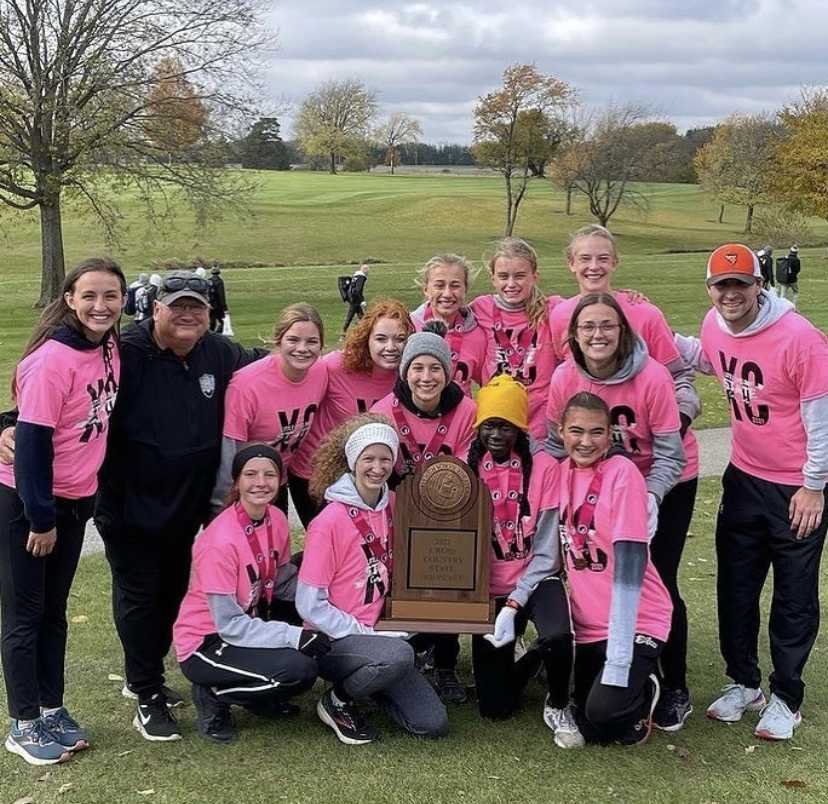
[(602, 163), (399, 130), (511, 129), (75, 80), (335, 119)]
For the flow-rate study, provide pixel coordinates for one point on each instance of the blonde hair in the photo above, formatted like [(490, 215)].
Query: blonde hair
[(590, 230), (295, 314), (356, 356), (329, 461), (516, 249), (424, 273)]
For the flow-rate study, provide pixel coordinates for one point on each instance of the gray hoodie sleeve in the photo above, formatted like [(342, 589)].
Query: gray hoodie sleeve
[(628, 574), (691, 353), (815, 419), (553, 445), (546, 556), (669, 461), (242, 631), (229, 448), (686, 395), (314, 607)]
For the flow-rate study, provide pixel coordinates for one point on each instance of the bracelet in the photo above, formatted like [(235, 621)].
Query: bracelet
[(512, 604)]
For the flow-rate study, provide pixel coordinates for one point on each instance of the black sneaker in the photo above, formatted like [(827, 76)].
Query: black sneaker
[(215, 721), (448, 686), (346, 720), (174, 699), (672, 710), (273, 710), (154, 720), (640, 731)]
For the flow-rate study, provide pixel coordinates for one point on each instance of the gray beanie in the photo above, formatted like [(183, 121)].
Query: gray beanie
[(426, 343)]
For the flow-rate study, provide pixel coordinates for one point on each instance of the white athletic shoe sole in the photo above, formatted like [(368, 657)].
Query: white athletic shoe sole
[(13, 748), (754, 706), (323, 715), (155, 738)]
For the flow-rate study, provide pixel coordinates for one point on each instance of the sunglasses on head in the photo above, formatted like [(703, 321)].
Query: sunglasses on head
[(195, 283)]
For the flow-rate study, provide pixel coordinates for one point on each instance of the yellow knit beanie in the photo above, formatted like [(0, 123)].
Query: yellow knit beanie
[(503, 398)]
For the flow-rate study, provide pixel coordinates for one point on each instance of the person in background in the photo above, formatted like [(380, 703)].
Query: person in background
[(217, 298), (356, 297), (344, 579), (765, 256), (771, 363), (145, 297), (230, 638), (130, 305), (787, 275), (65, 386)]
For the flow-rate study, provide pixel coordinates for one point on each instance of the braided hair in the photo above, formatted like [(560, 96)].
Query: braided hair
[(477, 450)]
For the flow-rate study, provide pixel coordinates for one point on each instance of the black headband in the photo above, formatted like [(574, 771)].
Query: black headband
[(254, 451)]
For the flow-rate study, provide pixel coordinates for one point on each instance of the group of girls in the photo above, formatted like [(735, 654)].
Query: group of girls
[(569, 547)]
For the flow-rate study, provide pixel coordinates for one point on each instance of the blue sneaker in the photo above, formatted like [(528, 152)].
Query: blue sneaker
[(66, 730), (36, 744)]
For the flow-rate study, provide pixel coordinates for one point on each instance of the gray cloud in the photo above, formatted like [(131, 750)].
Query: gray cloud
[(694, 62)]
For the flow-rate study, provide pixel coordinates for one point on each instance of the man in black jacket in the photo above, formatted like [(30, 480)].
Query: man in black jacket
[(218, 300), (788, 278), (155, 483), (765, 256), (356, 296)]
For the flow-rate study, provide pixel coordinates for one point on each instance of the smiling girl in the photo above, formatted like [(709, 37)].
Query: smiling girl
[(274, 400), (65, 387)]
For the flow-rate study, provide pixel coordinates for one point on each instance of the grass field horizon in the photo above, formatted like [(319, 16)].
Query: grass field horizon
[(303, 231)]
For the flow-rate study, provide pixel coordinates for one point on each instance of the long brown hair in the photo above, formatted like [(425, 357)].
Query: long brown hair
[(297, 313), (355, 353), (626, 336), (517, 249), (58, 313)]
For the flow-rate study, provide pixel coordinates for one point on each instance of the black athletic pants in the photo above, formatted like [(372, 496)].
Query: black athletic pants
[(674, 517), (500, 680), (753, 533), (33, 595), (150, 573), (354, 309), (249, 676), (605, 713), (304, 504)]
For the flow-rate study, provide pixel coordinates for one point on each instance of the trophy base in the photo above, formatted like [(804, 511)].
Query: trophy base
[(433, 617)]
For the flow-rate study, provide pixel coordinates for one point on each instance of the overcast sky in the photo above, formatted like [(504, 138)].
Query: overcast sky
[(695, 61)]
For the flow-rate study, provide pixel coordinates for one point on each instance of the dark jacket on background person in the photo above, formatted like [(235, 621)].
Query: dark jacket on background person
[(766, 266), (794, 267), (165, 432)]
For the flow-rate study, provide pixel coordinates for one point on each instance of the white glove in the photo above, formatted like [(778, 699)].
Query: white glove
[(396, 634), (504, 628), (652, 515)]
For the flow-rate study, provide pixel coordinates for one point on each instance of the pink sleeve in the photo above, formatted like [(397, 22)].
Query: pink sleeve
[(318, 561), (629, 502), (661, 402), (659, 339), (237, 414), (216, 564), (548, 497), (43, 386), (554, 401), (808, 368)]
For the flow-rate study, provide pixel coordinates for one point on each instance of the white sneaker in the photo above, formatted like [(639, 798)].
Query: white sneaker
[(777, 721), (735, 701), (562, 723)]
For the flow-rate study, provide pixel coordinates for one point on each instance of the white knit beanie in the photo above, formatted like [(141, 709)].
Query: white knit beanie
[(368, 434)]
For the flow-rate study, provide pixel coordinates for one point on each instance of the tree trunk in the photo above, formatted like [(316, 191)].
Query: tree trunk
[(510, 224), (568, 199), (749, 220), (52, 262), (721, 213), (333, 163), (392, 164)]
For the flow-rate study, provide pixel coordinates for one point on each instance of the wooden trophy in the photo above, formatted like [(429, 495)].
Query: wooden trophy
[(442, 528)]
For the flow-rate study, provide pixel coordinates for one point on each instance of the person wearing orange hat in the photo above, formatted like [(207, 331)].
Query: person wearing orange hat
[(524, 563), (771, 363)]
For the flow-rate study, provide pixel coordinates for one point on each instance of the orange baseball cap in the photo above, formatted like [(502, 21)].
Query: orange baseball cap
[(733, 261)]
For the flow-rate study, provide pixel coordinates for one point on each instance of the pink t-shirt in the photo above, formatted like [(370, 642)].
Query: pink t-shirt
[(766, 376), (640, 408), (620, 516), (456, 441), (222, 565), (468, 354), (349, 393), (543, 496), (539, 361), (72, 391), (336, 559), (264, 405)]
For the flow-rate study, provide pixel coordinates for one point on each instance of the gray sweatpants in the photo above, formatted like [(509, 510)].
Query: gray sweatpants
[(382, 668)]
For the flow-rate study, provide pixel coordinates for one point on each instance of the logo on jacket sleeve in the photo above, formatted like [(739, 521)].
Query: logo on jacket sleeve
[(207, 382)]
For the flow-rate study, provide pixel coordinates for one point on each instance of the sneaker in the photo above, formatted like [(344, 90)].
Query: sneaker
[(214, 718), (66, 730), (174, 699), (36, 744), (640, 731), (777, 722), (154, 720), (273, 710), (346, 720), (424, 660), (674, 707), (734, 702), (562, 722), (448, 686)]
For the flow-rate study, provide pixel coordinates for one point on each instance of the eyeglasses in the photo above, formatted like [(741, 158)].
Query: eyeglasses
[(590, 328), (196, 283), (179, 306)]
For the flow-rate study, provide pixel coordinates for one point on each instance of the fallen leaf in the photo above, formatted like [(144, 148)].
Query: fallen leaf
[(682, 753), (797, 748), (65, 787), (25, 800), (749, 749), (44, 778), (493, 777), (147, 792), (671, 747), (114, 677), (80, 618), (123, 753), (794, 784)]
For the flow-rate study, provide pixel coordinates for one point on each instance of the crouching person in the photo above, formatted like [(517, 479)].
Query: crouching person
[(345, 576), (230, 636)]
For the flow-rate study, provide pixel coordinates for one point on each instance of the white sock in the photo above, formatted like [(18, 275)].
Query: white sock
[(25, 724), (45, 711), (336, 700)]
